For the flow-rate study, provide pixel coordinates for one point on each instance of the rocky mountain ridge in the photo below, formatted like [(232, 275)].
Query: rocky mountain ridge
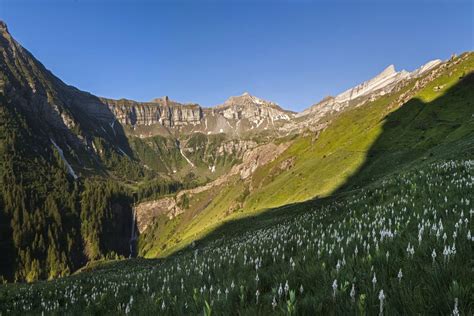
[(239, 115), (81, 124), (383, 83), (160, 111), (246, 112), (235, 116)]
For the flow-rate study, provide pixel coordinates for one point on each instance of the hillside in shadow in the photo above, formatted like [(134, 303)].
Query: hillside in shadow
[(418, 130), (415, 133), (43, 218)]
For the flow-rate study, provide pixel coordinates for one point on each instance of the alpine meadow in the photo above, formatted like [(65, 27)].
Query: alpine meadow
[(360, 204)]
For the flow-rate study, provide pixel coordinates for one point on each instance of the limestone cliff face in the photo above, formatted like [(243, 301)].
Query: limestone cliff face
[(234, 147), (237, 115), (382, 81), (254, 109), (160, 111)]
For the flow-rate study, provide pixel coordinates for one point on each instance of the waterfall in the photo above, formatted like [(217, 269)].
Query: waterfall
[(133, 235)]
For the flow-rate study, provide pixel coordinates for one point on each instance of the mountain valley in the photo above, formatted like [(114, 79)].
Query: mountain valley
[(95, 191)]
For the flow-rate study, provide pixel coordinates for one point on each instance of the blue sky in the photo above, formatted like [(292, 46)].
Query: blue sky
[(290, 52)]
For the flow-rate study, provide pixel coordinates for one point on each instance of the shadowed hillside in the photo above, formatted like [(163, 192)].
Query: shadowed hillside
[(441, 128), (416, 134)]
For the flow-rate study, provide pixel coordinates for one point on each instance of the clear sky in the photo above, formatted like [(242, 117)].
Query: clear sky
[(290, 52)]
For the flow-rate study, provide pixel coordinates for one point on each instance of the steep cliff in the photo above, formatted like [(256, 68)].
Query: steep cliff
[(237, 116), (161, 111), (58, 204)]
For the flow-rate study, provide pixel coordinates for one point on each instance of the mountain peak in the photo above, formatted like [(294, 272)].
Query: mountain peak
[(246, 99), (426, 67), (3, 26), (388, 71), (388, 77)]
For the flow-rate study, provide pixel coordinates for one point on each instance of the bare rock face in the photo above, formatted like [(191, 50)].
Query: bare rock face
[(147, 211), (288, 163), (237, 147), (257, 111), (383, 81), (260, 156), (236, 116), (380, 85), (388, 81), (3, 27), (160, 111), (425, 68)]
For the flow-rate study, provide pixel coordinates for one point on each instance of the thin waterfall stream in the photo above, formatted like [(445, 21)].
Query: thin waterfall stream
[(133, 235)]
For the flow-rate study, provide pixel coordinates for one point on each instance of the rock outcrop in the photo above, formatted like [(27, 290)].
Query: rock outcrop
[(235, 116), (254, 109), (146, 212), (160, 111), (383, 82), (387, 81)]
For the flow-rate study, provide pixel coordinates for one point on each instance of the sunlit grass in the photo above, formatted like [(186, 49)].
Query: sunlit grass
[(393, 137)]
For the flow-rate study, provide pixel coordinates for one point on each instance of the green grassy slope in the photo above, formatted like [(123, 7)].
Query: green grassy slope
[(374, 138), (408, 234), (162, 155)]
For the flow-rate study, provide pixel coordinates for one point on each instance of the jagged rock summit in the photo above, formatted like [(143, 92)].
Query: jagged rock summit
[(257, 112), (383, 83), (386, 78), (246, 99)]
